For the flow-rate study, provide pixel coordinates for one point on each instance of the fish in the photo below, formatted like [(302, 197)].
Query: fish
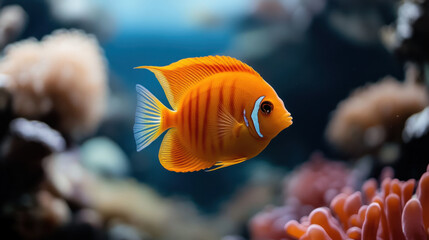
[(223, 113)]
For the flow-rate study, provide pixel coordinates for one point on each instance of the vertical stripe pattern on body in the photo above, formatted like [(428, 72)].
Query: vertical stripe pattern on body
[(220, 139), (195, 123), (205, 121), (231, 100)]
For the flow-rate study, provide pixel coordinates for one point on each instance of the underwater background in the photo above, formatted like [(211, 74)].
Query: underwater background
[(353, 74)]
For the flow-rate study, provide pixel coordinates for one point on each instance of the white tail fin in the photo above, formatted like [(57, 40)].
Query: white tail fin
[(147, 125)]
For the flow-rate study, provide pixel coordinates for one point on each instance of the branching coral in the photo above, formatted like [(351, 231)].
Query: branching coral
[(60, 80), (387, 213), (373, 115)]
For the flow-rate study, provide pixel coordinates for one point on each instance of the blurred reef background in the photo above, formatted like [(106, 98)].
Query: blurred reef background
[(353, 73)]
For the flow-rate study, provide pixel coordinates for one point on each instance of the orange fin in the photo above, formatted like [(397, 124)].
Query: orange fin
[(227, 124), (175, 157), (177, 78), (222, 164)]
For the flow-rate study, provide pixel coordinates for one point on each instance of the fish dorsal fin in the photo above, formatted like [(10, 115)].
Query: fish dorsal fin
[(174, 156), (227, 124), (177, 78)]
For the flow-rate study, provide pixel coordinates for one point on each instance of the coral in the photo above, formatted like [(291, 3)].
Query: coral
[(313, 184), (60, 80), (35, 131), (416, 126), (29, 210), (125, 202), (409, 37), (23, 151), (389, 212), (5, 106), (414, 148), (104, 157), (12, 22), (373, 115), (317, 181), (269, 223)]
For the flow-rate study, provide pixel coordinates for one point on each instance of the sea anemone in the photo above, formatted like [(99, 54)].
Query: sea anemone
[(389, 212), (269, 223), (60, 80), (313, 184), (373, 115)]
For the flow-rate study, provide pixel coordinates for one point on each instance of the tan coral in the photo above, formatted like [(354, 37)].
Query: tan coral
[(60, 80), (373, 115), (13, 20)]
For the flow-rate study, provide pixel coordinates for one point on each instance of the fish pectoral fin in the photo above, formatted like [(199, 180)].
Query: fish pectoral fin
[(174, 156), (222, 164), (227, 124)]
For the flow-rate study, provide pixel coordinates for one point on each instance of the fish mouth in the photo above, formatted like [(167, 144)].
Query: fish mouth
[(286, 120)]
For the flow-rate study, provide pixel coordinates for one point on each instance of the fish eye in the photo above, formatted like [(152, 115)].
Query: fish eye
[(267, 107)]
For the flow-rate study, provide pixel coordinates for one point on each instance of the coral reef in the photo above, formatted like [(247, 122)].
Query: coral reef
[(373, 115), (60, 80), (60, 84), (126, 202), (312, 185), (387, 212), (59, 182)]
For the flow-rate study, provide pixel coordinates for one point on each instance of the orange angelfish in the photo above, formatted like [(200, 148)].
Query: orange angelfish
[(224, 113)]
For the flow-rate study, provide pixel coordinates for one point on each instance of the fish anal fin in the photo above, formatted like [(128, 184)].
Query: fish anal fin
[(175, 157), (177, 78), (222, 164), (227, 124)]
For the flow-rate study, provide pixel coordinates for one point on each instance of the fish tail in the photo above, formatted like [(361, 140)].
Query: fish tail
[(150, 120)]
